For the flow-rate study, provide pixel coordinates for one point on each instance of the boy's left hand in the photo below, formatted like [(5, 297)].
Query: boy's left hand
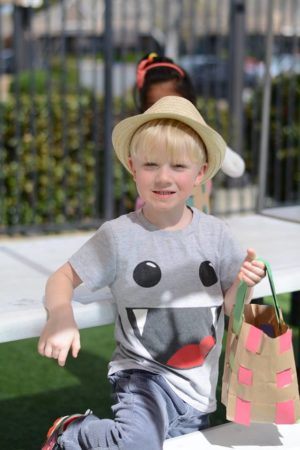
[(252, 271)]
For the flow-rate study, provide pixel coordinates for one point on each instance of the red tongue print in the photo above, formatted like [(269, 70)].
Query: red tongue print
[(192, 355)]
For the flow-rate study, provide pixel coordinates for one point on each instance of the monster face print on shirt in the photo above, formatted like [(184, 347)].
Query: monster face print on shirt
[(180, 338)]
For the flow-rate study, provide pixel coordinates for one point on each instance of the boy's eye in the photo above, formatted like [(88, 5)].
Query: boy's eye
[(150, 164), (180, 166)]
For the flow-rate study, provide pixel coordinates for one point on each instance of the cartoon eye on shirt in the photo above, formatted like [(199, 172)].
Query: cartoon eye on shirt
[(180, 338), (148, 274)]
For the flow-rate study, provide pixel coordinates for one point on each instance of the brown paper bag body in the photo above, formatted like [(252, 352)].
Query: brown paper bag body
[(260, 380)]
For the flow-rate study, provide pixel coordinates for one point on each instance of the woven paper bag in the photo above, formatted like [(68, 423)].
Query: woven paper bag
[(259, 380)]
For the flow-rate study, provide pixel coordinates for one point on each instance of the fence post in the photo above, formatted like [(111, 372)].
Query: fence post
[(108, 112), (22, 18), (264, 137), (236, 71)]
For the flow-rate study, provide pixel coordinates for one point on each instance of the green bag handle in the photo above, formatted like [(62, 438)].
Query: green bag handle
[(240, 300)]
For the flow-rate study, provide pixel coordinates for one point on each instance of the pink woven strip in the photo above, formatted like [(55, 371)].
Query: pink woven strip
[(285, 412), (254, 340), (245, 376), (242, 412), (284, 378), (285, 341)]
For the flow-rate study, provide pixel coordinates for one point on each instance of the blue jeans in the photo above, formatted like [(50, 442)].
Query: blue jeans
[(146, 412)]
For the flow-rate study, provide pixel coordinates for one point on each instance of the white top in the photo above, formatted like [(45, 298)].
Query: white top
[(233, 164)]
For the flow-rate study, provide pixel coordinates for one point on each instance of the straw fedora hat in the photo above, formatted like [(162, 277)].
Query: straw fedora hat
[(171, 107)]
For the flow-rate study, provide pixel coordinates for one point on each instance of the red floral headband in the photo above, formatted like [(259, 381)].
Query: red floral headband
[(148, 64)]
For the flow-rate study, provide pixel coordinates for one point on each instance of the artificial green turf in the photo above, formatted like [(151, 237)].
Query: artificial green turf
[(34, 390)]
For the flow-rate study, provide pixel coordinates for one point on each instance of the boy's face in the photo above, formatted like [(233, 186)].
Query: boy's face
[(162, 183)]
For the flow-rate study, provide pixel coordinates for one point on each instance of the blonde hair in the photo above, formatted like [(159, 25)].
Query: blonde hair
[(177, 139)]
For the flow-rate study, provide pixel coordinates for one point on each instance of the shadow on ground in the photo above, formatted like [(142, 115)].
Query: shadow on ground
[(25, 420)]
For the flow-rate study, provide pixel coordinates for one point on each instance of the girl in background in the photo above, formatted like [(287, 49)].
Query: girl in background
[(158, 76)]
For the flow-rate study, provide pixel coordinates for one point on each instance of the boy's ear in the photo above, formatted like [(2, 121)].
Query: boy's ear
[(201, 174), (131, 165)]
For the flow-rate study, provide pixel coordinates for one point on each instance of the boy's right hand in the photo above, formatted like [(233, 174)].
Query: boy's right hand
[(251, 271), (59, 335)]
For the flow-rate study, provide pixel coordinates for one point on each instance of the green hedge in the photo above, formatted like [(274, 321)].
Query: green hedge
[(53, 161), (52, 168), (41, 179), (49, 173), (284, 137)]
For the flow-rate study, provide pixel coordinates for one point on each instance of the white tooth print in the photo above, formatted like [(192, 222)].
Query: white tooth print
[(141, 316)]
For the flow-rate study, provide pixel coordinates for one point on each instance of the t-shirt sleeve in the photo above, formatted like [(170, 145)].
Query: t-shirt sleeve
[(95, 262), (231, 258)]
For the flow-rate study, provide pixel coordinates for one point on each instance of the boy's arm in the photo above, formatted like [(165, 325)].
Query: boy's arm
[(60, 333), (251, 272)]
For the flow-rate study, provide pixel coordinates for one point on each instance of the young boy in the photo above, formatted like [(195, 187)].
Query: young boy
[(158, 76), (169, 287)]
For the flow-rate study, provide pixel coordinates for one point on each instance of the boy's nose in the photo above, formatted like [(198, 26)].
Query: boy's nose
[(163, 175)]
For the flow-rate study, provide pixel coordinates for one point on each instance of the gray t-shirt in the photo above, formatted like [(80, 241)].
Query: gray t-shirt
[(169, 288)]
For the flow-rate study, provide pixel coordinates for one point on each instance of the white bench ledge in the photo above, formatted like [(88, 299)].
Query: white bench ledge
[(23, 324), (26, 263), (234, 436), (25, 318)]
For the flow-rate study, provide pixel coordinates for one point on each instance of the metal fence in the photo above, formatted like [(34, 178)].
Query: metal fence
[(67, 71)]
